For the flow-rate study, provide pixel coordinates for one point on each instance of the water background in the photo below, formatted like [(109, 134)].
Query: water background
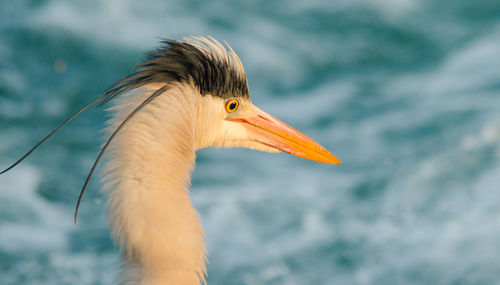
[(406, 93)]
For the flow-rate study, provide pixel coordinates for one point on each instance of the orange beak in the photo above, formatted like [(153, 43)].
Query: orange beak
[(266, 129)]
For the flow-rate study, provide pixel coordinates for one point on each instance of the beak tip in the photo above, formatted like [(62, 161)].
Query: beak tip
[(329, 158), (334, 160)]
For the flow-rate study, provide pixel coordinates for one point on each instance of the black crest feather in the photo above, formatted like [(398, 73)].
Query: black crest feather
[(204, 63)]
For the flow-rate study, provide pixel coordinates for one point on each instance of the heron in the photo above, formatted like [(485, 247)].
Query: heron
[(186, 95)]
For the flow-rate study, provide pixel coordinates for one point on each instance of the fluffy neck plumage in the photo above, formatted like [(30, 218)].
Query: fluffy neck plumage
[(147, 181)]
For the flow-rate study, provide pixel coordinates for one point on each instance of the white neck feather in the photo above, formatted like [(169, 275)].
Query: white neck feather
[(147, 181)]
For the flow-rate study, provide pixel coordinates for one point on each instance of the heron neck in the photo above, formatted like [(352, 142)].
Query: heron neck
[(147, 178)]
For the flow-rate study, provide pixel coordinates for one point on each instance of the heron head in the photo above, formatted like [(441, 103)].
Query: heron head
[(225, 115)]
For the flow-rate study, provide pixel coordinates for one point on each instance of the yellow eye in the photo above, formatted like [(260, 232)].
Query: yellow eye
[(232, 105)]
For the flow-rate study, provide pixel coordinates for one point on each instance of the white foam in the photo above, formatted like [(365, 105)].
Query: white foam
[(18, 188), (488, 136), (129, 23), (388, 8), (471, 68), (465, 72)]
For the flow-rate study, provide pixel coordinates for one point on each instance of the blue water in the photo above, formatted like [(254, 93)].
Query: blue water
[(406, 93)]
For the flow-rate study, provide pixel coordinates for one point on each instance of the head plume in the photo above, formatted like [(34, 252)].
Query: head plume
[(205, 63)]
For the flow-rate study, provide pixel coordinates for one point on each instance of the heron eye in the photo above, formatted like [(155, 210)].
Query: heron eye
[(232, 105)]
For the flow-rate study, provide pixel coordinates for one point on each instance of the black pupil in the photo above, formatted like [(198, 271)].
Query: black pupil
[(232, 106)]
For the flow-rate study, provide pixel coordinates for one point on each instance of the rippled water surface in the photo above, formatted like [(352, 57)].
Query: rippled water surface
[(406, 93)]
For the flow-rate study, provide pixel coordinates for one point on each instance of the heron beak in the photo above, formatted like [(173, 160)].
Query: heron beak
[(268, 130)]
